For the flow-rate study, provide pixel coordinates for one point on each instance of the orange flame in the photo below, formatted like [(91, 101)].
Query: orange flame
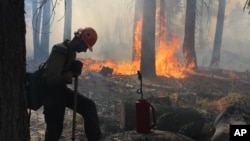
[(233, 75), (137, 41), (167, 64), (124, 68), (230, 74)]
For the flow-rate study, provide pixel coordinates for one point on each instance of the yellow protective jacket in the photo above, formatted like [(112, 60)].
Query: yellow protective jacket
[(58, 65)]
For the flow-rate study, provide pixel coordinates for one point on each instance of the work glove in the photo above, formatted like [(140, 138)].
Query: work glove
[(76, 67)]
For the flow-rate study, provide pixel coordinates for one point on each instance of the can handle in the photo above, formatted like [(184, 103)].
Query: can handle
[(153, 115)]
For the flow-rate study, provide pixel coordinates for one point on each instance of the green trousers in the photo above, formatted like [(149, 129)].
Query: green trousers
[(55, 102)]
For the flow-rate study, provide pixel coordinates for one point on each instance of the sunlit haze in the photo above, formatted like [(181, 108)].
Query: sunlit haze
[(106, 16)]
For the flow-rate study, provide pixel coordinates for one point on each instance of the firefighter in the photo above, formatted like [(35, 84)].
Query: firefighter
[(61, 66)]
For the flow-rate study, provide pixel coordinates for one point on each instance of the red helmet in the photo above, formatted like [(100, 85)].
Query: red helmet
[(89, 36)]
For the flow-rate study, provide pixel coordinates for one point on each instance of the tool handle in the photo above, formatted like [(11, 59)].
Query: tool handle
[(139, 75), (139, 91), (75, 107)]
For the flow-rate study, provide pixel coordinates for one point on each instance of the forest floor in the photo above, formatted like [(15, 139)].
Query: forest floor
[(207, 91)]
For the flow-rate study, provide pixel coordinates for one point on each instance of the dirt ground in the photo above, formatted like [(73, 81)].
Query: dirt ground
[(207, 92)]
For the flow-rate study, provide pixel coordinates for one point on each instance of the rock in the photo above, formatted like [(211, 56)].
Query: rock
[(155, 135), (106, 71), (230, 116), (186, 121)]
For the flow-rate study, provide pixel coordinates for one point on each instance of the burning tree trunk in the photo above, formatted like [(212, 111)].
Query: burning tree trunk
[(138, 14), (218, 34), (148, 39), (13, 112), (189, 38), (162, 17)]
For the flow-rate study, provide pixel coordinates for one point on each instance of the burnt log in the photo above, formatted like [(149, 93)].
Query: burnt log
[(106, 71)]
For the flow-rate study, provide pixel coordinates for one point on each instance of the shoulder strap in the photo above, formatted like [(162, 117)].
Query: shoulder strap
[(65, 50), (67, 62)]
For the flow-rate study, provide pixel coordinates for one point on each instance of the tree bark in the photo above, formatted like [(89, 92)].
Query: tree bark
[(189, 37), (148, 39), (13, 102), (162, 32), (218, 34), (138, 14)]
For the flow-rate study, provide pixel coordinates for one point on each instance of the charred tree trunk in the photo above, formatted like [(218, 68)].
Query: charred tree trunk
[(67, 20), (218, 34), (148, 39), (13, 112), (162, 21), (138, 16), (189, 38)]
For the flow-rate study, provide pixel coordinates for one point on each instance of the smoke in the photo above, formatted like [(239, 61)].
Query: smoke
[(235, 42), (113, 21)]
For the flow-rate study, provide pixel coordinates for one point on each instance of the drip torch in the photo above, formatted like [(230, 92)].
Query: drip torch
[(143, 108)]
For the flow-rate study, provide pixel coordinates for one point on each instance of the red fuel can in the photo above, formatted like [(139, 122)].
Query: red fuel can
[(143, 113)]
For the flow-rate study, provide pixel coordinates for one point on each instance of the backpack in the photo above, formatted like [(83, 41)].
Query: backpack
[(36, 82), (36, 87)]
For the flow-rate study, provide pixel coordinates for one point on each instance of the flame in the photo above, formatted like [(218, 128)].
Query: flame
[(231, 75), (167, 64), (124, 68), (137, 41)]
